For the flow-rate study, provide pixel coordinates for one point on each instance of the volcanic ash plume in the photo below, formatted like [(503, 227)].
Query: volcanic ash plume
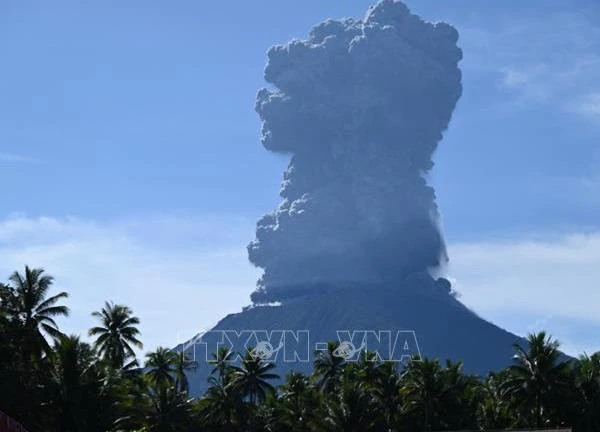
[(360, 106)]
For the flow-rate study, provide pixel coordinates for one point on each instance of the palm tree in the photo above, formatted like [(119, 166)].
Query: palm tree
[(182, 365), (352, 410), (73, 390), (386, 392), (161, 367), (27, 304), (459, 398), (365, 369), (422, 387), (329, 367), (5, 294), (493, 410), (537, 377), (117, 335), (221, 360), (5, 351), (222, 408), (170, 411), (251, 379), (587, 384), (299, 403)]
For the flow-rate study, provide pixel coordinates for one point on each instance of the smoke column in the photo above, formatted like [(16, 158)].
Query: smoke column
[(360, 106)]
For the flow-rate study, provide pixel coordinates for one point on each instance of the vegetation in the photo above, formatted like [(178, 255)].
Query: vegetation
[(54, 382)]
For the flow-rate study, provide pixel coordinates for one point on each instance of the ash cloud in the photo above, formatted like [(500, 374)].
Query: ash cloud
[(360, 106)]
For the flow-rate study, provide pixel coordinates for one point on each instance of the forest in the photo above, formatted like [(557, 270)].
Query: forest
[(54, 382)]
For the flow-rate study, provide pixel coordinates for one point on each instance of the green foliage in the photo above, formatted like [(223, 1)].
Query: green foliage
[(160, 367), (329, 368), (117, 335), (27, 306), (57, 383), (251, 380), (537, 380)]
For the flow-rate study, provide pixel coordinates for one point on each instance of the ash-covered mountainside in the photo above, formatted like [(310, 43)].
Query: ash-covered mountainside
[(361, 106)]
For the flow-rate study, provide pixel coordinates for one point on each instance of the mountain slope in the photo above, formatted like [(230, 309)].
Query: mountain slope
[(444, 328)]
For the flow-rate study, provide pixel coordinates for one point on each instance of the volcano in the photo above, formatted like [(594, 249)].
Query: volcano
[(355, 247), (442, 326)]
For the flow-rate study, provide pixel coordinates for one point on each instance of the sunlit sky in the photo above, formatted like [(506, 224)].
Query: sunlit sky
[(131, 167)]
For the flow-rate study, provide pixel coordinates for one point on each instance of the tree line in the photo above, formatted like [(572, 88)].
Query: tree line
[(51, 382)]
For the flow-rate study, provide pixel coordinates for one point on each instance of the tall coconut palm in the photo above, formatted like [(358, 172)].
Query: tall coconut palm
[(221, 362), (222, 408), (537, 377), (251, 379), (4, 324), (117, 335), (70, 383), (27, 304), (365, 369), (587, 383), (386, 392), (183, 364), (459, 398), (170, 411), (494, 411), (78, 394), (352, 410), (160, 365), (4, 297), (329, 367), (423, 388), (159, 410), (299, 403)]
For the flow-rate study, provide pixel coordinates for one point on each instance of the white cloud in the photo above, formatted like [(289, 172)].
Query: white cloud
[(588, 106), (555, 279), (563, 84), (514, 78), (9, 157), (551, 58), (171, 270), (559, 276), (532, 82)]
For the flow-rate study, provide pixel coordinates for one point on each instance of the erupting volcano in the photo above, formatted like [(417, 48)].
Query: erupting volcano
[(361, 106)]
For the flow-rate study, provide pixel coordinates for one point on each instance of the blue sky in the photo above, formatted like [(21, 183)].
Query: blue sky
[(132, 169)]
